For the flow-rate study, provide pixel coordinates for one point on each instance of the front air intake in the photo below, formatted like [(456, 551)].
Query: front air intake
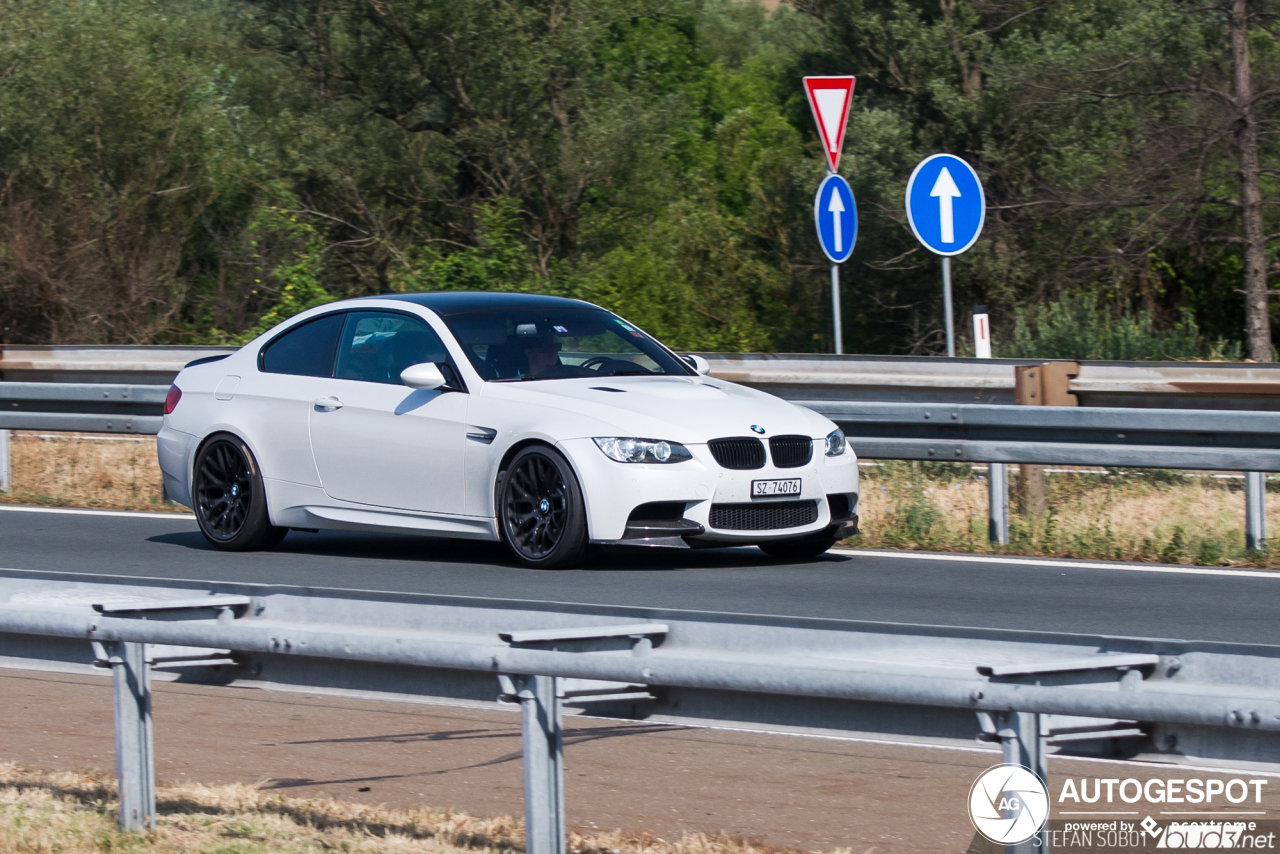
[(741, 454), (791, 452), (768, 516)]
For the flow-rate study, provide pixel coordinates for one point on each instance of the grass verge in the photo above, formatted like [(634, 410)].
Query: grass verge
[(1149, 515), (79, 470), (73, 813)]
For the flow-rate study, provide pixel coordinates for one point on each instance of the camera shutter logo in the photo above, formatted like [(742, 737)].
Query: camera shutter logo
[(1008, 804)]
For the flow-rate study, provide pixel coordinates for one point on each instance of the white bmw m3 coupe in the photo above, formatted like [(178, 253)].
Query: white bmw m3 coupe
[(543, 422)]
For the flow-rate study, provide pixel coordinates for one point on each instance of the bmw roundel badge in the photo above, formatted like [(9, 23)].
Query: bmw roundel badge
[(758, 429)]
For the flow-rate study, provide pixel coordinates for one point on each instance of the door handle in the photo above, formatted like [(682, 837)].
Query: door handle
[(328, 404)]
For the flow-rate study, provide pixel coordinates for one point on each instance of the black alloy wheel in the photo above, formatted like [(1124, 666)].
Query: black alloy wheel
[(230, 502), (543, 518)]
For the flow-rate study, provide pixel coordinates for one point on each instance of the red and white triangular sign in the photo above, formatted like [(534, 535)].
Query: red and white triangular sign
[(829, 98)]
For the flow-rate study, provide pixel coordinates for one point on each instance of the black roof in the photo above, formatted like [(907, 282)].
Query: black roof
[(458, 302)]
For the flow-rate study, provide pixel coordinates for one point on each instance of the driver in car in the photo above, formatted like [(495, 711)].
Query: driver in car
[(542, 352)]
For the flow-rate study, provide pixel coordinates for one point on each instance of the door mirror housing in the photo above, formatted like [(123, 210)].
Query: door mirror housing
[(425, 376), (699, 364)]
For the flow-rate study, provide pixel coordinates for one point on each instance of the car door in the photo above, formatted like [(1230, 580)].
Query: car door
[(375, 440)]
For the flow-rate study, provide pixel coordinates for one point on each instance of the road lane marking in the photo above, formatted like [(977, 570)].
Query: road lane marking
[(126, 514), (1067, 564)]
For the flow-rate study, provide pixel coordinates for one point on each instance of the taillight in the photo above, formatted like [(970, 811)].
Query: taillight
[(171, 399)]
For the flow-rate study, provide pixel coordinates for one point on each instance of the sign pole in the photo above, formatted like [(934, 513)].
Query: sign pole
[(835, 306), (836, 218), (946, 306), (945, 209)]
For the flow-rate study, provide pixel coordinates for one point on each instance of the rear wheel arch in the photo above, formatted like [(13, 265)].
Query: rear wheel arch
[(226, 433)]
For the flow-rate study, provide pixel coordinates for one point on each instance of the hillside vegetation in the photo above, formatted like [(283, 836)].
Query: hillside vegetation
[(191, 170)]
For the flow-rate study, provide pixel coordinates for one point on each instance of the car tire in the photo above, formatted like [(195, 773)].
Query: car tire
[(807, 546), (229, 498), (541, 514)]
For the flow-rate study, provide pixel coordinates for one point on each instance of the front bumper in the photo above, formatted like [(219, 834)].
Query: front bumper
[(717, 504)]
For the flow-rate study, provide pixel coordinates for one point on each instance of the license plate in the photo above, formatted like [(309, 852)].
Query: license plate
[(770, 488)]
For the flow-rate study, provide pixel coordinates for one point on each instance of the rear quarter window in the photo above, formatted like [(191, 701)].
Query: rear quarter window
[(307, 350)]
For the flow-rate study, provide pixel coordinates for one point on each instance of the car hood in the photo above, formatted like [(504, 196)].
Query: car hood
[(691, 410)]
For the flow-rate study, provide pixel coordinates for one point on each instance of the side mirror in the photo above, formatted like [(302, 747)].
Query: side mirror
[(425, 376), (699, 364)]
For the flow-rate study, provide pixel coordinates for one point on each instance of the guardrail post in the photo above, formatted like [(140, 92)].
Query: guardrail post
[(4, 461), (1255, 510), (1022, 744), (998, 503), (135, 760), (543, 764)]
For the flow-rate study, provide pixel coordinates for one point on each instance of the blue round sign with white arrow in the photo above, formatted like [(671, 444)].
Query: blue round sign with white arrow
[(836, 216), (945, 204)]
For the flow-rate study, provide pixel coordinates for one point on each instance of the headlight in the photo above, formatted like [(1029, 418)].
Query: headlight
[(643, 450), (835, 443)]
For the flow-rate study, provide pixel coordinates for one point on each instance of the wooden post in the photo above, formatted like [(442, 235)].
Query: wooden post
[(1040, 385)]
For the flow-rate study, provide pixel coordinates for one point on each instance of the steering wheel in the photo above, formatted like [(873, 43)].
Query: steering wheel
[(596, 362)]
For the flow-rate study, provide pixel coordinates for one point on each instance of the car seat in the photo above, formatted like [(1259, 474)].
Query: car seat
[(507, 359)]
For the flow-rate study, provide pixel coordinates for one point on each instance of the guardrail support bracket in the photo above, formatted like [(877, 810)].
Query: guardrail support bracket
[(543, 742), (135, 756), (998, 503), (1023, 744), (1255, 510), (4, 461)]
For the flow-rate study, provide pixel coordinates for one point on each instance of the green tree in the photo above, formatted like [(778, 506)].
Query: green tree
[(116, 134), (1077, 327)]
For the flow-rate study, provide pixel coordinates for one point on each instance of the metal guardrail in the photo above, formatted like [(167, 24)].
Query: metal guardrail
[(1031, 692), (136, 365), (97, 408), (1247, 441), (1066, 435), (807, 376), (1187, 439), (920, 379)]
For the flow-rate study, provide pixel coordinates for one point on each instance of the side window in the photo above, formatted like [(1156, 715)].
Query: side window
[(306, 350), (377, 346)]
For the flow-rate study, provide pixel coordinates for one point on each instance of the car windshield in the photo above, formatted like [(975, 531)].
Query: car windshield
[(512, 344)]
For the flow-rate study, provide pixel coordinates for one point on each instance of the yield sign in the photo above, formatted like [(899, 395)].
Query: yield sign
[(829, 98)]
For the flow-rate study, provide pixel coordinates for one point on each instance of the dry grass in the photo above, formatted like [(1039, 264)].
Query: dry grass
[(1143, 515), (73, 813), (81, 470)]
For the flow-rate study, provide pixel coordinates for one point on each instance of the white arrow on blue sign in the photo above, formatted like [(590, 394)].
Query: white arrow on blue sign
[(945, 204), (836, 216)]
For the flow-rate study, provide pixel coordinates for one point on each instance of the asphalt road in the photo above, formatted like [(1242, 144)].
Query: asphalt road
[(1060, 596)]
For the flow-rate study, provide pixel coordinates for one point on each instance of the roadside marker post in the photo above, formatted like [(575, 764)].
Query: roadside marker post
[(981, 332), (946, 209), (834, 210), (997, 473)]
